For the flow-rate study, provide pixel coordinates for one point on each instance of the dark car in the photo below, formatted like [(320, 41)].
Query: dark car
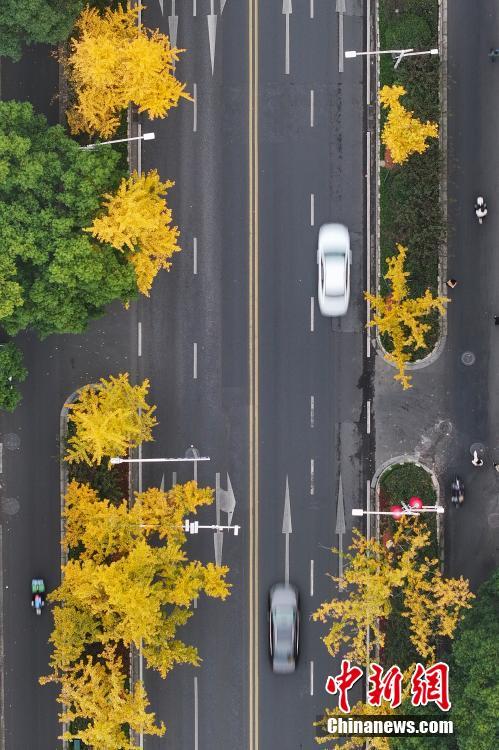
[(284, 627)]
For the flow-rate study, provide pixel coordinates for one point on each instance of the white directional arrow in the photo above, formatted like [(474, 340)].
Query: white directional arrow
[(287, 529), (212, 34), (287, 9), (161, 6), (224, 501), (222, 6), (172, 25), (340, 527)]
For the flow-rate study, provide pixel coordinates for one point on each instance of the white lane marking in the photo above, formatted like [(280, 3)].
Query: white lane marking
[(368, 407), (311, 678), (139, 339), (312, 310), (174, 478), (312, 476), (311, 8), (139, 149), (140, 462), (368, 238), (311, 108), (312, 209), (195, 362), (141, 678), (196, 715), (341, 54), (368, 508), (195, 254), (311, 577), (195, 108), (194, 8), (1, 458), (312, 412), (195, 602)]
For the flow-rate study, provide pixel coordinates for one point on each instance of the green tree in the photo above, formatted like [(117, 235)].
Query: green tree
[(53, 277), (28, 21), (12, 371)]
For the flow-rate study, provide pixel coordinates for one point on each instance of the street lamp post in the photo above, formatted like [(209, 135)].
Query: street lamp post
[(118, 460), (414, 507), (143, 137), (400, 53), (193, 527)]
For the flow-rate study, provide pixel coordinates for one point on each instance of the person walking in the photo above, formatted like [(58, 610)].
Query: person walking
[(476, 460)]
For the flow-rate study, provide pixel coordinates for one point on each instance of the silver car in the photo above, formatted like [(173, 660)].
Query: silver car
[(284, 627), (334, 259)]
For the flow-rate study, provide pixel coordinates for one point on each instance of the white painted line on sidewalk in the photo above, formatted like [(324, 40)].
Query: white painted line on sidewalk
[(312, 209), (312, 310), (195, 362), (368, 408), (311, 108), (311, 577), (195, 107), (311, 8), (139, 339), (312, 412), (312, 476), (311, 678), (2, 654), (195, 255)]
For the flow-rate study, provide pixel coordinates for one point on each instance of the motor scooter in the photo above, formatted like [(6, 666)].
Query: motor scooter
[(457, 492)]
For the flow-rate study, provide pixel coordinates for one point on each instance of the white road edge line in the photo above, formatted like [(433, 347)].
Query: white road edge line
[(194, 8), (312, 412), (2, 655), (368, 239), (139, 339), (141, 678), (341, 56), (195, 362), (368, 414), (311, 678), (312, 310), (196, 715), (312, 476), (312, 209), (195, 108), (311, 577), (311, 8), (1, 458), (311, 108), (195, 254)]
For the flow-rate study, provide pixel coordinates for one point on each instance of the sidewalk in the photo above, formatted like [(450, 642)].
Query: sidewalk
[(34, 78)]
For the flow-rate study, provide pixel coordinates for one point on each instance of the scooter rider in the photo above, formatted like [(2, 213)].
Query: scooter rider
[(480, 208)]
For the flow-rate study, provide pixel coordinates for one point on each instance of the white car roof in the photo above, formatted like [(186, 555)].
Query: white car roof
[(334, 274)]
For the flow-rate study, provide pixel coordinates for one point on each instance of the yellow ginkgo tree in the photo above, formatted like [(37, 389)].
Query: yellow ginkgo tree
[(114, 61), (137, 221), (108, 419), (403, 133), (402, 318), (128, 582), (432, 604)]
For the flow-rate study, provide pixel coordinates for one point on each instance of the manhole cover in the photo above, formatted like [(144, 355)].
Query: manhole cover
[(10, 505), (445, 427), (12, 441), (468, 358), (494, 520)]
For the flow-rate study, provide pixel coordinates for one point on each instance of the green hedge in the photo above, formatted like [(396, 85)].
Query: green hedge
[(410, 211)]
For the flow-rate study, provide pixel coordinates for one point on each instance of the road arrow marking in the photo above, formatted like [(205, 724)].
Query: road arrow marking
[(287, 529), (340, 526), (173, 26), (222, 6), (224, 501), (287, 9), (212, 34), (161, 5)]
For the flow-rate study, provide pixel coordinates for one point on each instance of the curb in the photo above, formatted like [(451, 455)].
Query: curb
[(442, 262)]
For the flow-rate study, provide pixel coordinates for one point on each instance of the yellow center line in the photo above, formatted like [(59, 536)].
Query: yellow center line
[(253, 369)]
